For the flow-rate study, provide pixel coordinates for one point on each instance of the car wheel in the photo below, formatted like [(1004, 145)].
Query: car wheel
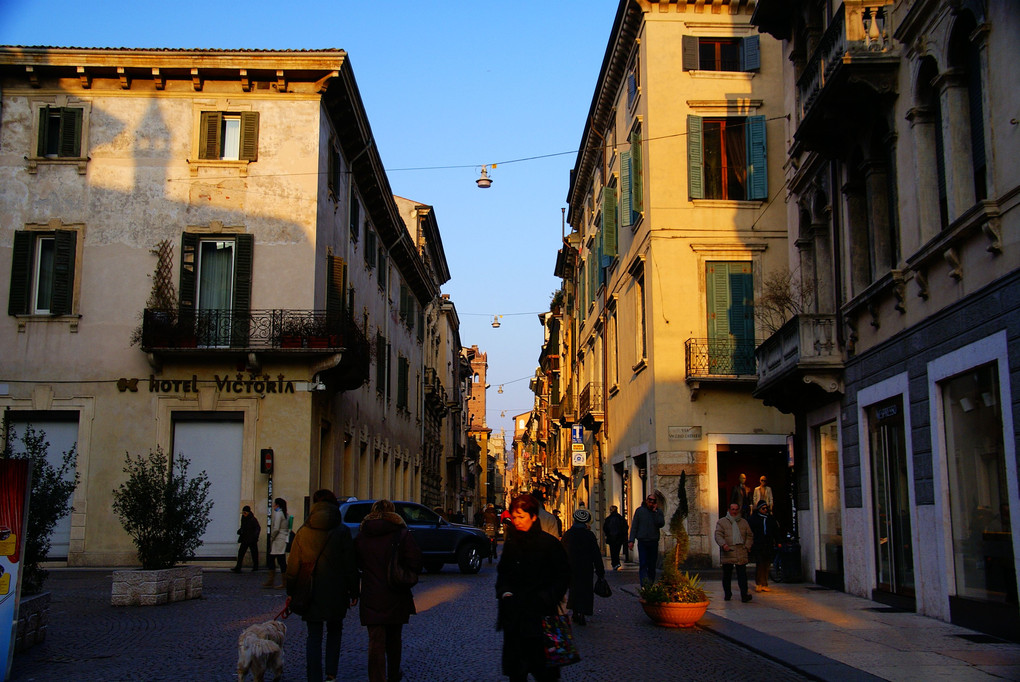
[(469, 558), (433, 566)]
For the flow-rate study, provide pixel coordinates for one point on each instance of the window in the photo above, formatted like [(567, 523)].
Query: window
[(403, 368), (610, 233), (614, 350), (631, 191), (721, 54), (726, 158), (382, 362), (229, 136), (730, 306), (355, 219), (639, 307), (383, 271), (215, 287), (633, 80), (370, 248), (336, 289), (42, 272), (60, 132), (334, 176)]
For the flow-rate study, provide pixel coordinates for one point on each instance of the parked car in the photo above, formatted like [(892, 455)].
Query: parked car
[(441, 541)]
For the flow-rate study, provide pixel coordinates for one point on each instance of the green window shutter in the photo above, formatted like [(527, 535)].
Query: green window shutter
[(249, 136), (380, 363), (625, 203), (63, 272), (189, 271), (402, 372), (70, 133), (380, 275), (331, 175), (690, 58), (695, 167), (21, 273), (336, 286), (209, 138), (636, 190), (403, 301), (750, 54), (609, 229), (44, 124), (757, 169), (244, 251)]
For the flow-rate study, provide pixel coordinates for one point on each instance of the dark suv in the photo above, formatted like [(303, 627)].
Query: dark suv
[(441, 542)]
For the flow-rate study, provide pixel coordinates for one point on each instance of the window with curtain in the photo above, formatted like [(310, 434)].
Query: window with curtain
[(42, 272), (726, 158), (215, 291)]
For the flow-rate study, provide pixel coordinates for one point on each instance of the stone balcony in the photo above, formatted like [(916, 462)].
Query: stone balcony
[(800, 363)]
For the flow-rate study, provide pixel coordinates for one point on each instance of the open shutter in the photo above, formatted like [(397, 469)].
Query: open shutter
[(741, 285), (757, 170), (63, 272), (44, 124), (249, 136), (336, 287), (209, 138), (609, 229), (403, 301), (636, 190), (695, 168), (189, 270), (355, 222), (750, 54), (241, 309), (21, 273), (70, 133), (690, 53), (369, 248), (625, 202)]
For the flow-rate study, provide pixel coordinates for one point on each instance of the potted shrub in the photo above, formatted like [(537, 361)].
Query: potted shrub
[(292, 333), (677, 599), (166, 513)]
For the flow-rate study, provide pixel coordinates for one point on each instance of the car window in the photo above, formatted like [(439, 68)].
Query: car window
[(356, 512), (414, 513)]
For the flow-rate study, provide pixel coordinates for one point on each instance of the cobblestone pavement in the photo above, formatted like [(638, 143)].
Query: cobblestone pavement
[(452, 637)]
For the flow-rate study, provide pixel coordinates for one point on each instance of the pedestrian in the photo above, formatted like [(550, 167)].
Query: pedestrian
[(278, 534), (644, 528), (559, 522), (545, 519), (741, 494), (490, 524), (767, 535), (734, 537), (324, 541), (531, 579), (248, 536), (615, 529), (763, 492), (585, 562), (385, 608)]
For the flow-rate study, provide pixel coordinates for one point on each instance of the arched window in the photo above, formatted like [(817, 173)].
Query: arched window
[(965, 56), (930, 140)]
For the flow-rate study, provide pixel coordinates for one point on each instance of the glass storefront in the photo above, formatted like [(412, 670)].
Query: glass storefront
[(830, 519), (891, 498)]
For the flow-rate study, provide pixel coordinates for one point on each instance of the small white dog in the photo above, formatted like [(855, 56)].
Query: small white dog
[(260, 649)]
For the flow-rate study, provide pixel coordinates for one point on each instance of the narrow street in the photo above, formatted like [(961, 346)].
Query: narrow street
[(452, 638)]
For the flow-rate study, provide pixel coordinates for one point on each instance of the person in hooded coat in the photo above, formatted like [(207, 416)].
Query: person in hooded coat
[(385, 609), (585, 562), (326, 542)]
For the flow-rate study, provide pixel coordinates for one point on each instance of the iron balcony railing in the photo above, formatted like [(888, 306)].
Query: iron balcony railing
[(592, 400), (719, 358)]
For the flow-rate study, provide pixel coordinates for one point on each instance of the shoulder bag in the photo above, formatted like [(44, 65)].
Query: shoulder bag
[(399, 577), (301, 599), (602, 588)]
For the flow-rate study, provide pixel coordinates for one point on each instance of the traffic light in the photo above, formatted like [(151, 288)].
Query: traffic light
[(266, 461)]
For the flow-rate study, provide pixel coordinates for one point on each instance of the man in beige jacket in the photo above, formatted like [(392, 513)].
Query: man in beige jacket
[(734, 537)]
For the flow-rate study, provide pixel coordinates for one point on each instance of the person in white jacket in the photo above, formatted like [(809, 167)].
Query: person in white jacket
[(278, 535)]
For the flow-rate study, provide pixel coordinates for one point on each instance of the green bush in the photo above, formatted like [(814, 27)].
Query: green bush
[(163, 511), (49, 502), (683, 588)]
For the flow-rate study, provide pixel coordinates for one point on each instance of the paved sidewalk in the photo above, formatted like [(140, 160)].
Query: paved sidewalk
[(831, 635)]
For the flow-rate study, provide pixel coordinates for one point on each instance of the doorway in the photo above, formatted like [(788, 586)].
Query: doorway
[(755, 461)]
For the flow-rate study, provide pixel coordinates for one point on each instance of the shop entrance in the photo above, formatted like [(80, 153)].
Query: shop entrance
[(755, 461)]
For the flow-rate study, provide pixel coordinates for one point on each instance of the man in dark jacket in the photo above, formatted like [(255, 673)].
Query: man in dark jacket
[(648, 519), (325, 544), (248, 535), (385, 608), (615, 528)]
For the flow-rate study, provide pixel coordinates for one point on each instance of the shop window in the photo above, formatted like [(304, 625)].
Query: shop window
[(726, 158), (42, 272), (229, 136)]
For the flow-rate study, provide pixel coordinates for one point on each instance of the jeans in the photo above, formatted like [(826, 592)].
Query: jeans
[(313, 649), (648, 556), (383, 648), (279, 559), (614, 552), (727, 578)]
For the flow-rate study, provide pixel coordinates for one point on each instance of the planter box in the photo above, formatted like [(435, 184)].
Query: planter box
[(33, 618), (675, 615), (139, 587)]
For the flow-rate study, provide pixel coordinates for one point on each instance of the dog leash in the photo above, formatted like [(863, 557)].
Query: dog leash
[(284, 612)]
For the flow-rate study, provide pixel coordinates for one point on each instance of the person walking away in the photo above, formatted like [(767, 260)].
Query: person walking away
[(385, 609), (248, 536), (325, 542), (531, 578), (741, 494), (615, 529), (559, 522), (734, 537), (767, 536), (644, 528), (490, 524), (763, 492), (547, 520), (278, 533), (585, 562)]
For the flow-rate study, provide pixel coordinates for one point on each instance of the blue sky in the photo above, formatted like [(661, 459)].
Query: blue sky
[(445, 84)]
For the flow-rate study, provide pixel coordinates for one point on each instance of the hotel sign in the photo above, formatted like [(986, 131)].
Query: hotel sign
[(240, 383)]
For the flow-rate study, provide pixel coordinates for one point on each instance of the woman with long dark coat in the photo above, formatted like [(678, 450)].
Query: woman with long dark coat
[(531, 579), (585, 562), (385, 609), (767, 536)]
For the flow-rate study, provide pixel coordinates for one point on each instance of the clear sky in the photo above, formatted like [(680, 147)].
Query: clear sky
[(444, 84)]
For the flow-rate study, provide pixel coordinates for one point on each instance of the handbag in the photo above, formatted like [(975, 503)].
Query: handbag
[(290, 540), (602, 588), (558, 641), (399, 577), (300, 599)]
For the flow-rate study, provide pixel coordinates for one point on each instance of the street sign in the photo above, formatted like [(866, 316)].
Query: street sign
[(576, 433), (579, 458)]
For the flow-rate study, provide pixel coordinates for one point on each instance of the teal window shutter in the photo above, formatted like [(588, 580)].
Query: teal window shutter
[(625, 202), (750, 54), (63, 272), (609, 229), (21, 273), (690, 55), (636, 190), (757, 170), (249, 136), (695, 159)]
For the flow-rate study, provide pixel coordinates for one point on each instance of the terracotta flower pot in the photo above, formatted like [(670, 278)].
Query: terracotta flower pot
[(674, 614)]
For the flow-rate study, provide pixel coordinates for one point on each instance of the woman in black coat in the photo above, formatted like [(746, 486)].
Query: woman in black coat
[(585, 562), (531, 579), (324, 541), (767, 536), (385, 609)]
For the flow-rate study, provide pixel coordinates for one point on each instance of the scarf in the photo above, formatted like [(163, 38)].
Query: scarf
[(735, 536)]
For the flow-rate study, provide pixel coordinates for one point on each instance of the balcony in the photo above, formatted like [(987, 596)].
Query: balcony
[(591, 405), (801, 364), (849, 76)]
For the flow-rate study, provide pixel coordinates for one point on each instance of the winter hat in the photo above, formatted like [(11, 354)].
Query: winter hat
[(246, 508), (762, 503), (582, 516)]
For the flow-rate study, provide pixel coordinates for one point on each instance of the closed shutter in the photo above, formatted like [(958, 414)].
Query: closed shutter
[(625, 202), (244, 252), (609, 229), (757, 169), (331, 173), (750, 54), (636, 189), (209, 137), (189, 272), (249, 136), (44, 129), (20, 297), (380, 275), (690, 53), (63, 272), (403, 301), (370, 248), (355, 223), (380, 363), (70, 133), (730, 304), (695, 159), (402, 372)]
